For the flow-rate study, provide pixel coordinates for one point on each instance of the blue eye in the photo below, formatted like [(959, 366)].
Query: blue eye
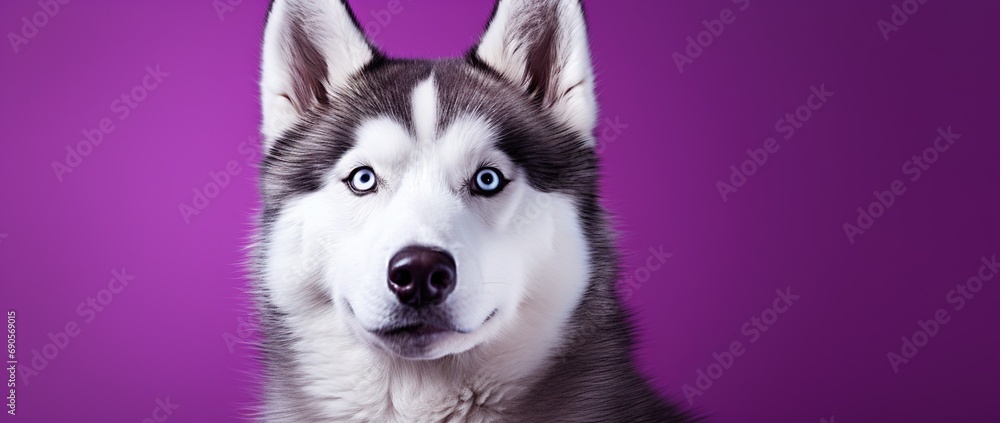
[(362, 180), (488, 182)]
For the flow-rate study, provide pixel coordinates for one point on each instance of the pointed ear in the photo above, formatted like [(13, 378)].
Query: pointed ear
[(311, 47), (541, 46)]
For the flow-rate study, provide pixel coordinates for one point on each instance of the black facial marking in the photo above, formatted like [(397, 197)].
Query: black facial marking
[(555, 157), (302, 156)]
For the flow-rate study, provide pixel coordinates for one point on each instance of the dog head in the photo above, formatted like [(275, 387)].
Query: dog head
[(429, 206)]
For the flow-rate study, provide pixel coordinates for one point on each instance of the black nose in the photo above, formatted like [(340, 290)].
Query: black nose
[(421, 276)]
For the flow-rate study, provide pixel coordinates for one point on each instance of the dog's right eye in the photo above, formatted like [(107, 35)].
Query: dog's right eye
[(362, 180)]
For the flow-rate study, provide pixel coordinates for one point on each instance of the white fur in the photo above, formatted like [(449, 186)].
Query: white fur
[(534, 275), (424, 104)]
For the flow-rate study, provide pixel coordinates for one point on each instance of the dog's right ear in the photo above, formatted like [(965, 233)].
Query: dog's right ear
[(311, 47), (541, 47)]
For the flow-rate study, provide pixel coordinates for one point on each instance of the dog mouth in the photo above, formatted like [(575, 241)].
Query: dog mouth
[(415, 330), (423, 327), (415, 338)]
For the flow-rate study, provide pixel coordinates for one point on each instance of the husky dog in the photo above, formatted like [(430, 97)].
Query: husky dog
[(431, 246)]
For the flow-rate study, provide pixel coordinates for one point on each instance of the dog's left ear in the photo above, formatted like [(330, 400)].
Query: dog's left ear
[(541, 46)]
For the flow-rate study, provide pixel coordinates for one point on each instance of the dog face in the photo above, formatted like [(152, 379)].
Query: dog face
[(428, 206)]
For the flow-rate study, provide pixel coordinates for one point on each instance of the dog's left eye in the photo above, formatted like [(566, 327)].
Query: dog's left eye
[(488, 182), (362, 180)]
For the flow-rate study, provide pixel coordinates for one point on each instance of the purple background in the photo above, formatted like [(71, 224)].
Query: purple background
[(166, 334)]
